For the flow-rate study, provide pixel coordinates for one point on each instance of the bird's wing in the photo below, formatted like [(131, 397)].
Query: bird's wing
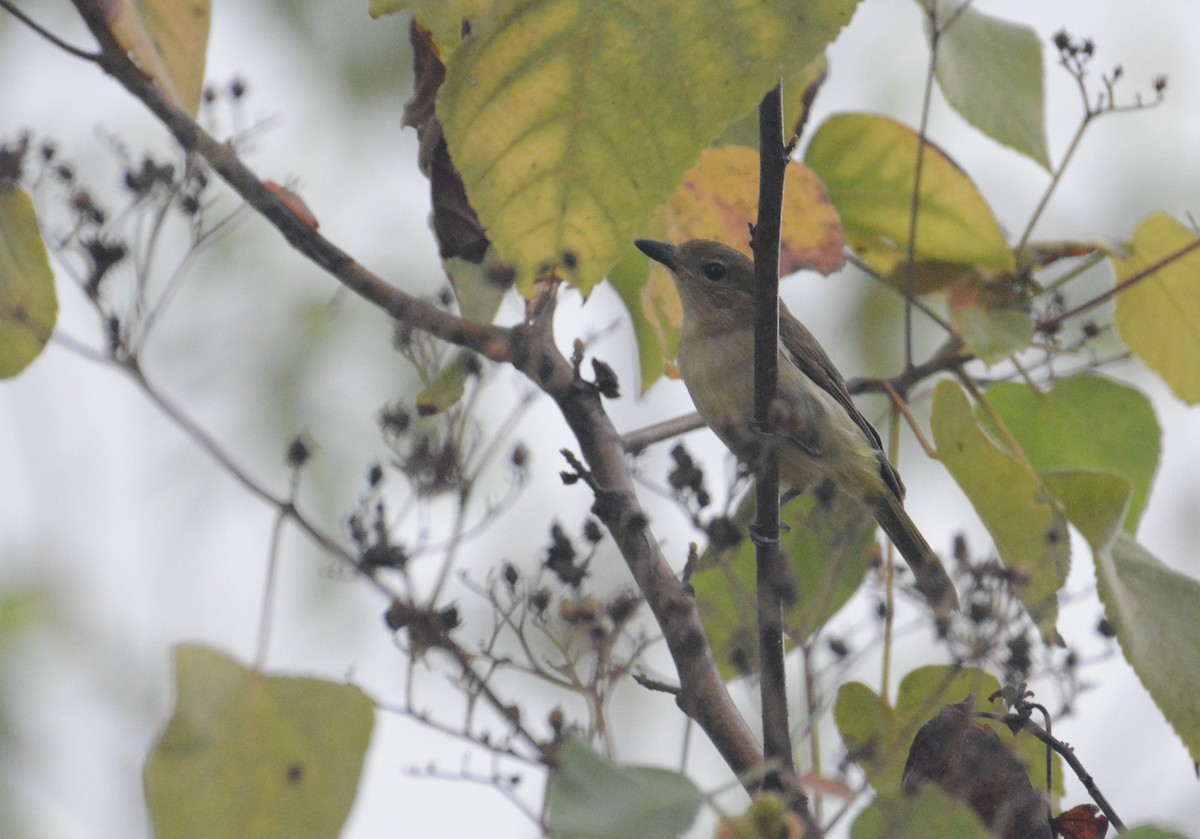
[(802, 349)]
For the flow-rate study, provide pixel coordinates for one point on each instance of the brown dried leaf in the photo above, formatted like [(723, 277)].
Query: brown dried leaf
[(293, 202), (457, 228), (969, 761), (1083, 821)]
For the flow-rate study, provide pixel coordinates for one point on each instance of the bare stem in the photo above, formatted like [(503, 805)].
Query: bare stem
[(777, 741), (47, 34), (1068, 755), (910, 291), (1051, 325)]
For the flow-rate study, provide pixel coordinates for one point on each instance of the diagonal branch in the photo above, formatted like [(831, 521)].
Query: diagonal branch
[(491, 341), (530, 347), (702, 695)]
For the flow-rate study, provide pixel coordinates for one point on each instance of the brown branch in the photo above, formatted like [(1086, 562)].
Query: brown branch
[(949, 356), (702, 694), (638, 441), (489, 340), (530, 347), (1067, 754), (1053, 324), (770, 570)]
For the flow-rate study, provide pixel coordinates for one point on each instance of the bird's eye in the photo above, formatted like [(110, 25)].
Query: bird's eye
[(714, 271)]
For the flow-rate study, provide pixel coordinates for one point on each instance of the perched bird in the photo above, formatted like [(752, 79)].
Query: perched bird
[(822, 436)]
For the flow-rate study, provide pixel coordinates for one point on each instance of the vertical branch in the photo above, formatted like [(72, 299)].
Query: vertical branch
[(889, 619), (812, 702), (777, 741), (910, 288)]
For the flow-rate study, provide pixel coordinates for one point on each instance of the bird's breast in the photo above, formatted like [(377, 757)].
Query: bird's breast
[(820, 439), (718, 370)]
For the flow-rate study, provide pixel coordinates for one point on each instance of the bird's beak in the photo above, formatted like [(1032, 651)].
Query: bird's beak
[(663, 252)]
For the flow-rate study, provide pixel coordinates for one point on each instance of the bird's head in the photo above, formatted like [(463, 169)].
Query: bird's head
[(712, 278)]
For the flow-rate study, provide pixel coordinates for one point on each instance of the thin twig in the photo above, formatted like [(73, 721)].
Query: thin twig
[(47, 34), (638, 441), (1051, 325), (425, 719), (910, 290), (1067, 754), (267, 610), (949, 356), (491, 341), (854, 260)]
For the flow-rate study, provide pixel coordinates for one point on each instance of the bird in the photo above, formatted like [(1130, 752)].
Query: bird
[(819, 434)]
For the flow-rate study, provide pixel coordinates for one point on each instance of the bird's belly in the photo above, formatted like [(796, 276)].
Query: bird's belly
[(822, 442)]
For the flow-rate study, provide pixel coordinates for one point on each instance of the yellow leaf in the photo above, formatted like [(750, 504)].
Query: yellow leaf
[(571, 122), (251, 755), (167, 39), (28, 305), (444, 18), (718, 199), (868, 164), (1159, 316)]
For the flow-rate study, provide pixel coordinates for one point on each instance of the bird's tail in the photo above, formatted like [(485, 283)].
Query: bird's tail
[(931, 578)]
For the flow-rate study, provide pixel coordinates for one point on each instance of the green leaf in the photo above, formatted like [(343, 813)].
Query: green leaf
[(1154, 611), (881, 736), (1011, 500), (930, 813), (799, 89), (251, 755), (828, 548), (929, 276), (1059, 430), (571, 122), (867, 726), (990, 313), (994, 334), (868, 164), (1152, 607), (447, 387), (592, 798), (990, 71), (478, 287), (168, 40), (938, 684), (28, 305), (1151, 832), (925, 690), (1159, 316), (1095, 502)]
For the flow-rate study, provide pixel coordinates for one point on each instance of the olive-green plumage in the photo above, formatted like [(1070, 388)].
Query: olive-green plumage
[(825, 435)]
